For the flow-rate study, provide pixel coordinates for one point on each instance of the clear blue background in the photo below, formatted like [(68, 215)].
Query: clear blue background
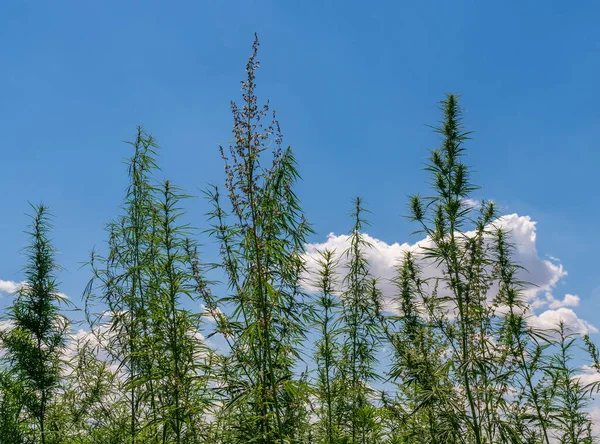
[(354, 83)]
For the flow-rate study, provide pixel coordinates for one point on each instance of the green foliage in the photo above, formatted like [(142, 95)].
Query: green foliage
[(301, 354), (261, 232), (329, 384), (124, 285), (34, 341), (14, 421), (360, 330)]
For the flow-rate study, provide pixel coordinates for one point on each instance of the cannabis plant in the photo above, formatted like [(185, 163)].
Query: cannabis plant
[(34, 343), (140, 289), (261, 232), (301, 354)]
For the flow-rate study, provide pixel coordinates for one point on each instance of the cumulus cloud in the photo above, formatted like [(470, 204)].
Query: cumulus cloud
[(542, 275), (588, 375), (383, 259), (472, 203), (594, 413), (10, 287), (210, 314), (548, 300), (569, 300), (551, 318), (97, 339), (5, 325)]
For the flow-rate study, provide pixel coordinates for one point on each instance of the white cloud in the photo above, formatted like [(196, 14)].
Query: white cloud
[(594, 413), (211, 314), (551, 318), (383, 259), (542, 275), (5, 325), (10, 287), (588, 376), (569, 300), (471, 203)]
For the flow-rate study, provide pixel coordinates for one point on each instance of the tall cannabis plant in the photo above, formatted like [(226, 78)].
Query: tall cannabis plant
[(329, 387), (261, 232), (425, 402), (141, 288), (566, 393), (361, 333), (177, 342), (35, 341), (442, 219), (95, 411), (464, 345), (122, 282)]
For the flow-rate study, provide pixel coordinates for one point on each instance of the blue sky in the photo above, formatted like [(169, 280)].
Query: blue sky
[(354, 85)]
